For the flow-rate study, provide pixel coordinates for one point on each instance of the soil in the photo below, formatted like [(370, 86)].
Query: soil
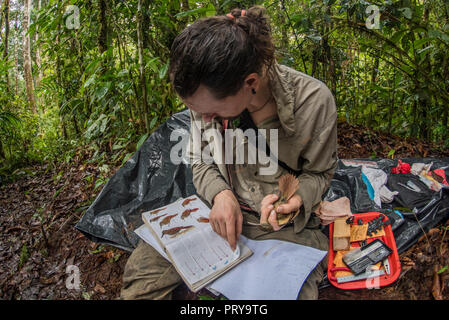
[(38, 240)]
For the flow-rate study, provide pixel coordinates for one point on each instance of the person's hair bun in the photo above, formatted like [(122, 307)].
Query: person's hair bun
[(256, 23), (256, 16), (220, 51)]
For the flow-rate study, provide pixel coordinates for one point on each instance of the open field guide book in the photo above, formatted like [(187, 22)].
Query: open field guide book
[(183, 230)]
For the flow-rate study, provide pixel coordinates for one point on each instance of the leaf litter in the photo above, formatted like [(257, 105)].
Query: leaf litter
[(34, 200)]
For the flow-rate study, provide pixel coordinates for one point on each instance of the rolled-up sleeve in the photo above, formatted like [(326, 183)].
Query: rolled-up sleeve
[(318, 160), (207, 178)]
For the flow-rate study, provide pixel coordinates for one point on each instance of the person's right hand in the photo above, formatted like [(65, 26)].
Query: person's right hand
[(267, 212), (226, 217)]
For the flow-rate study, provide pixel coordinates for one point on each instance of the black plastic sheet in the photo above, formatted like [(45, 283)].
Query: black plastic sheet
[(427, 208), (150, 180)]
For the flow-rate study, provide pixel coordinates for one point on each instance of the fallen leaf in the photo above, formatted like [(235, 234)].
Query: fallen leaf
[(109, 255), (407, 261), (433, 231), (99, 288), (436, 285)]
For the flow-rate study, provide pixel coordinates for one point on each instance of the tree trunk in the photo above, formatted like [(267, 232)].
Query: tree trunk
[(146, 24), (390, 114), (16, 55), (445, 120), (60, 84), (375, 70), (103, 34), (38, 54), (314, 61), (283, 24), (2, 153), (1, 17), (75, 125), (144, 107), (27, 56), (5, 53)]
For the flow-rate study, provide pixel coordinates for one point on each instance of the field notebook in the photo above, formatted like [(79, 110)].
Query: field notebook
[(199, 254)]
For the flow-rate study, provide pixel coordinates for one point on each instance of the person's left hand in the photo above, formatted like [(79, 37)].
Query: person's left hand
[(269, 214)]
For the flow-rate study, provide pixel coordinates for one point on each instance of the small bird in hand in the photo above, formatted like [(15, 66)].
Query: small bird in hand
[(288, 184)]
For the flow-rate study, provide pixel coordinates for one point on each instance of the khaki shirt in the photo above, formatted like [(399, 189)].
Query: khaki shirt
[(307, 141)]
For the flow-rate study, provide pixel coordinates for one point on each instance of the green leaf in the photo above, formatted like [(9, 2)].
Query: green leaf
[(87, 295), (127, 157), (398, 35), (425, 49), (153, 122), (101, 91), (123, 72), (437, 34), (98, 183), (142, 139), (406, 12), (92, 65), (443, 269), (89, 81), (24, 255), (163, 71), (314, 38), (444, 37), (104, 123), (420, 42), (153, 64), (391, 153), (117, 147)]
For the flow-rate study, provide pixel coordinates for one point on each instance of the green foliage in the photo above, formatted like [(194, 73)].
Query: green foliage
[(442, 269), (394, 78), (9, 124), (24, 255)]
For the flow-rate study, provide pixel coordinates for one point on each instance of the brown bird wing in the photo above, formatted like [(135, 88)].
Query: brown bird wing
[(288, 185)]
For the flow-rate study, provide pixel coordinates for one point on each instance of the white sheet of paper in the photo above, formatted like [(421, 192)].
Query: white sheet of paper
[(145, 234), (276, 271), (254, 278)]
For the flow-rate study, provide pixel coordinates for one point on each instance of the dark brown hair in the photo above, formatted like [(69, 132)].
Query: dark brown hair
[(219, 52)]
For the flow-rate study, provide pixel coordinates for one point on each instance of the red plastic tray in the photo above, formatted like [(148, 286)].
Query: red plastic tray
[(393, 258)]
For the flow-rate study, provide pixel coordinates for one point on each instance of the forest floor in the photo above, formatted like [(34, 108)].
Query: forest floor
[(38, 239)]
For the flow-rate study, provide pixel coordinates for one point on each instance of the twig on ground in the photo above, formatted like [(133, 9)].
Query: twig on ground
[(15, 228), (422, 229), (45, 236)]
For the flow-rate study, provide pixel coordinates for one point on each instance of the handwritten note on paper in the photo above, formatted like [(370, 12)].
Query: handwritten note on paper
[(254, 278)]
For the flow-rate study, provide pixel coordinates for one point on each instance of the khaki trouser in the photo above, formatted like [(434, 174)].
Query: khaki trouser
[(148, 275)]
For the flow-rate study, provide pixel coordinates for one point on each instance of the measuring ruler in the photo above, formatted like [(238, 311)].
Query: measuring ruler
[(366, 275)]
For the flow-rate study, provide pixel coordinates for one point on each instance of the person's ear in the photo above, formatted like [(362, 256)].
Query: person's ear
[(252, 82)]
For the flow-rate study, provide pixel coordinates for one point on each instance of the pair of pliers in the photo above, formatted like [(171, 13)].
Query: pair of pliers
[(335, 269)]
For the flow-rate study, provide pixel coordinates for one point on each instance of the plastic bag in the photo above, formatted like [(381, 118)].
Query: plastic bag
[(150, 180)]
